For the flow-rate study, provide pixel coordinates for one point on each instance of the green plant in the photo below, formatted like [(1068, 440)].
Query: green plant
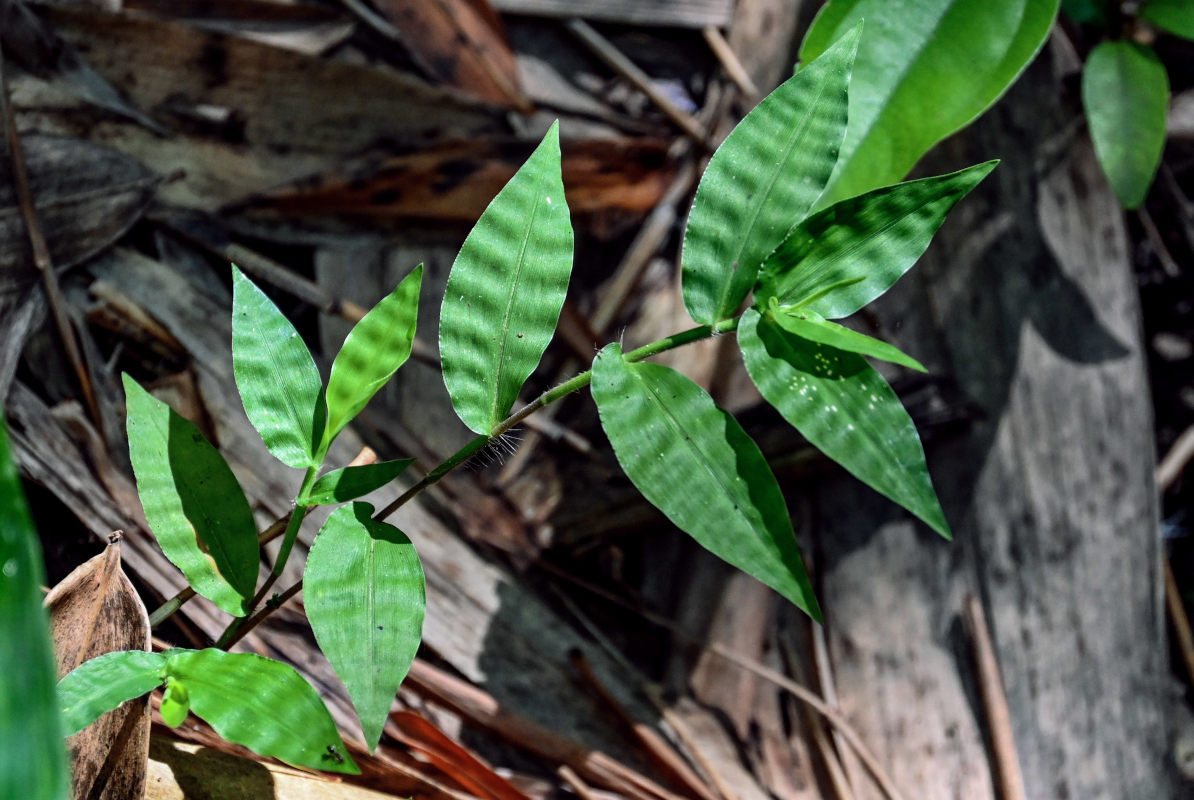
[(750, 229)]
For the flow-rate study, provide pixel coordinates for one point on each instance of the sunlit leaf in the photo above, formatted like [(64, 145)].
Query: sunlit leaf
[(844, 408), (176, 703), (375, 348), (506, 290), (34, 760), (192, 501), (97, 686), (1171, 16), (1125, 92), (810, 325), (924, 70), (263, 704), (349, 483), (694, 463), (364, 592), (761, 181), (276, 376), (859, 247)]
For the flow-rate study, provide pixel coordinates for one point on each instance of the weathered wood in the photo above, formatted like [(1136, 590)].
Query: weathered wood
[(1027, 298), (678, 13)]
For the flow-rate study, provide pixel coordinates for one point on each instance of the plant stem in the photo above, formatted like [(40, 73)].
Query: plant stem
[(242, 625)]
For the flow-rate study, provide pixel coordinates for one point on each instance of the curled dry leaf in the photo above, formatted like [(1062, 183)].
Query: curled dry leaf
[(93, 611)]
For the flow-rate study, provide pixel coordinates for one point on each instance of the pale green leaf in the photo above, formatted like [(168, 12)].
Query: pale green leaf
[(808, 324), (278, 381), (34, 761), (924, 70), (845, 409), (1125, 92), (263, 704), (192, 501), (841, 258), (349, 483), (375, 348), (1171, 16), (763, 180), (506, 290), (364, 592), (176, 703), (694, 463), (97, 686)]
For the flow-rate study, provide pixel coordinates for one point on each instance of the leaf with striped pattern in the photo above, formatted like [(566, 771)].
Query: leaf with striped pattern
[(506, 289)]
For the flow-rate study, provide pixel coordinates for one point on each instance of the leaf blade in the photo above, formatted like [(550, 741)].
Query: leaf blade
[(263, 704), (278, 381), (375, 348), (349, 483), (502, 303), (757, 185), (365, 596), (844, 408), (192, 501), (99, 685), (812, 326), (704, 474), (1171, 16)]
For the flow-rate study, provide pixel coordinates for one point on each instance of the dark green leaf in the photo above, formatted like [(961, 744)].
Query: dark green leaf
[(924, 70), (277, 378), (176, 703), (861, 246), (695, 464), (1088, 12), (1171, 16), (97, 686), (364, 592), (192, 501), (810, 325), (506, 290), (349, 483), (1125, 92), (375, 348), (761, 181), (34, 761), (844, 408), (264, 705)]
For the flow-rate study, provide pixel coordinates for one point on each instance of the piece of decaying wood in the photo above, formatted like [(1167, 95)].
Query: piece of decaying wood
[(454, 760), (95, 610), (672, 13), (999, 719), (762, 35), (731, 64)]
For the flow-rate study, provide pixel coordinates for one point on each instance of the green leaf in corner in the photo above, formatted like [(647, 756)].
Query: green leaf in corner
[(278, 381), (761, 181), (506, 289), (34, 762), (924, 70), (364, 592), (1125, 92), (349, 483), (1171, 16), (810, 325), (694, 463), (263, 704), (101, 684), (375, 348), (192, 501), (841, 258), (845, 409)]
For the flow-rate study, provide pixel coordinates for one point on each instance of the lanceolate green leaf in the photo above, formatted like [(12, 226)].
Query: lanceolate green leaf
[(375, 348), (506, 289), (924, 70), (761, 181), (695, 464), (349, 483), (1125, 92), (363, 588), (1172, 16), (264, 705), (192, 501), (845, 409), (34, 760), (97, 686), (859, 247), (277, 378), (812, 326)]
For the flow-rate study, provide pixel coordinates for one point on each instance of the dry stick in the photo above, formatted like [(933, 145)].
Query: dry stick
[(994, 699), (730, 63), (1170, 468), (615, 60), (824, 668), (1154, 237), (833, 760), (41, 252), (576, 783)]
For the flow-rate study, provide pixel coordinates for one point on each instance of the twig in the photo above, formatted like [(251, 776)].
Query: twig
[(1154, 237), (825, 680), (730, 63), (1175, 460), (999, 719), (1167, 473), (41, 252), (833, 759), (576, 783)]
